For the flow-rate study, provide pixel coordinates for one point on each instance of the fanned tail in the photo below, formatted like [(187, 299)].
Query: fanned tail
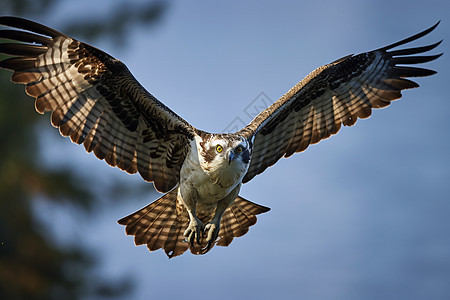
[(237, 219), (159, 225), (162, 223)]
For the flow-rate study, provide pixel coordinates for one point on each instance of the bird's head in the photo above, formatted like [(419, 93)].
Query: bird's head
[(225, 153)]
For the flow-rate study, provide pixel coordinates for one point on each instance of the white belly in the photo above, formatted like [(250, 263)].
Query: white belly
[(210, 188), (192, 176)]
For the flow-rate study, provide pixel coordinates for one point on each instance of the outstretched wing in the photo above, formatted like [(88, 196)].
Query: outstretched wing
[(332, 95), (96, 101)]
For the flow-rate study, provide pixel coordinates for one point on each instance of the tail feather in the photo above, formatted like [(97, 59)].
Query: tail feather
[(161, 224), (158, 225), (242, 222), (226, 232), (176, 245), (143, 218), (151, 232), (237, 219), (162, 236)]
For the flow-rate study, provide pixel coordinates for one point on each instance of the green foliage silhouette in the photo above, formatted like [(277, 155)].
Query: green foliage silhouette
[(32, 265)]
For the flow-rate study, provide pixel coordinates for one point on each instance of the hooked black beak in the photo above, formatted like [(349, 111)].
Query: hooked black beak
[(231, 156)]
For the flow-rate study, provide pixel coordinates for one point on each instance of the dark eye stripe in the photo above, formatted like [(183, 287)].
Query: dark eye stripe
[(245, 156)]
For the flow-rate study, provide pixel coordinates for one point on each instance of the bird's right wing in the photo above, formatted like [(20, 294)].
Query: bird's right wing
[(96, 101)]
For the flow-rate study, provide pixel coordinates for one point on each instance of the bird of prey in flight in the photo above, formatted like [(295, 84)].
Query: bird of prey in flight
[(96, 101)]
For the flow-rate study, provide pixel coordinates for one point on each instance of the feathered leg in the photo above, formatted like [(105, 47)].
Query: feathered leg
[(213, 227)]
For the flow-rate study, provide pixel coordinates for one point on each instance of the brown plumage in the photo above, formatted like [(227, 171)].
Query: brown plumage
[(161, 224), (333, 95), (97, 102)]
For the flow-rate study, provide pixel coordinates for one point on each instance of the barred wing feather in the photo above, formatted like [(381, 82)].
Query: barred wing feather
[(96, 101), (333, 95)]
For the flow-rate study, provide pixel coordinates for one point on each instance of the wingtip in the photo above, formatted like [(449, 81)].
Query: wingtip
[(437, 23), (5, 20), (412, 38), (437, 43), (426, 31), (12, 21), (25, 24)]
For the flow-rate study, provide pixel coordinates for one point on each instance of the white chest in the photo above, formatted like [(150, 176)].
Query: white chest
[(210, 186)]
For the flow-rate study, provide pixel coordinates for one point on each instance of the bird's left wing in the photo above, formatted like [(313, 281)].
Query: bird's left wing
[(332, 95), (96, 101)]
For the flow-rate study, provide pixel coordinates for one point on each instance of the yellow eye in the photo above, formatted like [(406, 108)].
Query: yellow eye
[(219, 148), (239, 149)]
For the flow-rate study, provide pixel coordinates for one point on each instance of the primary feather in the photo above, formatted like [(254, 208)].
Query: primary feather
[(333, 95)]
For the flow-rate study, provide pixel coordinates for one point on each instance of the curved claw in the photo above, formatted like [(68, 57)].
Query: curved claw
[(213, 233), (193, 232), (207, 248)]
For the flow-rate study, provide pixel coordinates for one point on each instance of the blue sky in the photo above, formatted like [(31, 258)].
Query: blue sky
[(363, 215)]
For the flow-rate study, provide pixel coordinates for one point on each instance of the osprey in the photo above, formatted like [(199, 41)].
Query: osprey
[(96, 101)]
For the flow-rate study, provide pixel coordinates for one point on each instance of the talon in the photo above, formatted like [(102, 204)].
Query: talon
[(192, 238), (212, 230), (198, 235), (207, 248), (192, 233)]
